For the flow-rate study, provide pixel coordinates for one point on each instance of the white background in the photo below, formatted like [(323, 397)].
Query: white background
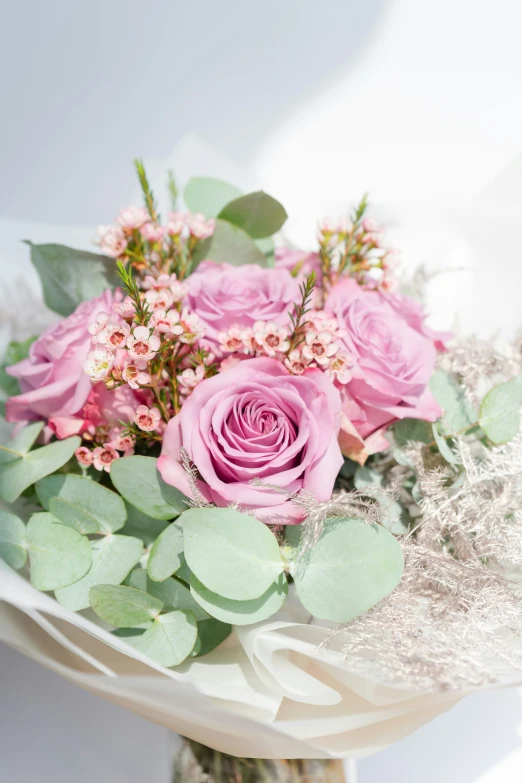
[(417, 101)]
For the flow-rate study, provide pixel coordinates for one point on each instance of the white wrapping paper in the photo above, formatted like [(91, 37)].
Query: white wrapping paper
[(267, 692)]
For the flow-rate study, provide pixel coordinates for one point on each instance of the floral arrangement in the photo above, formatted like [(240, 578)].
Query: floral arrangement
[(216, 420)]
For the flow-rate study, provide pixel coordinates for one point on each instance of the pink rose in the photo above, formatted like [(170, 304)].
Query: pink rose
[(300, 263), (223, 296), (256, 421), (52, 379), (394, 360), (103, 408)]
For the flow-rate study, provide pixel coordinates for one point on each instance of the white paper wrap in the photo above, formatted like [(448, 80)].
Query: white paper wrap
[(267, 692)]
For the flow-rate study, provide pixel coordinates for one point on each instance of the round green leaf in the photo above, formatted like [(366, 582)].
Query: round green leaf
[(208, 195), (350, 569), (457, 410), (233, 554), (81, 503), (112, 559), (58, 554), (172, 593), (257, 213), (138, 481), (122, 606), (229, 244), (408, 430), (13, 543), (241, 612), (22, 470), (211, 633), (166, 555), (170, 639), (142, 526), (500, 411)]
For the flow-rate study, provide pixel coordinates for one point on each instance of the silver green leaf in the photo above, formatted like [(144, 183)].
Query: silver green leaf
[(171, 592), (137, 479), (257, 213), (113, 557), (500, 411), (458, 413), (58, 554), (229, 244), (233, 554), (142, 526), (170, 639), (208, 195), (70, 277), (81, 503), (241, 612), (166, 555), (211, 633), (122, 606), (13, 541), (352, 567), (412, 430), (443, 446)]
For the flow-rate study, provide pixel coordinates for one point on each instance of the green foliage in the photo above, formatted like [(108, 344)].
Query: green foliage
[(16, 351), (208, 195), (407, 430), (166, 555), (458, 413), (170, 639), (148, 196), (122, 606), (70, 277), (171, 592), (443, 446), (211, 633), (138, 481), (232, 554), (500, 411), (350, 569), (81, 503), (58, 554), (229, 244), (19, 467), (257, 213), (113, 557), (13, 541), (241, 612), (142, 526)]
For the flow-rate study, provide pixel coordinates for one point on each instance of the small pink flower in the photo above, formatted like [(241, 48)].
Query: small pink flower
[(199, 227), (370, 225), (175, 223), (296, 362), (320, 347), (391, 260), (132, 217), (99, 324), (232, 340), (147, 419), (152, 232), (98, 364), (125, 308), (388, 284), (190, 378), (331, 226), (84, 456), (103, 457), (178, 288), (142, 344), (193, 329), (121, 442), (112, 241), (272, 337), (339, 368), (114, 334), (250, 342), (134, 373), (166, 322), (159, 298)]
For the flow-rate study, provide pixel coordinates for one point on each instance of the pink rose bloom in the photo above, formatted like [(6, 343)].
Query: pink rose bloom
[(223, 296), (52, 378), (256, 421), (103, 407), (394, 360)]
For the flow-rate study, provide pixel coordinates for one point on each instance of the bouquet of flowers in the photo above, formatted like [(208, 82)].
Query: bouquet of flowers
[(222, 436)]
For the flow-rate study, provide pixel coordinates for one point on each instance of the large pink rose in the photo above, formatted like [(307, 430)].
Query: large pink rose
[(394, 360), (52, 379), (256, 421), (223, 296)]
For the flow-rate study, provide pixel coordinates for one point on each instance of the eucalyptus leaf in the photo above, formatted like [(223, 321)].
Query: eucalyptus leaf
[(412, 430), (170, 639), (352, 567), (458, 413), (2, 408), (257, 213), (122, 606), (208, 195), (366, 477), (13, 541), (113, 557), (166, 555), (137, 479), (229, 244), (267, 247), (241, 612), (500, 411), (22, 442), (81, 503), (142, 526), (233, 554), (15, 352), (23, 469), (70, 277), (58, 554), (171, 592), (443, 446), (211, 633)]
